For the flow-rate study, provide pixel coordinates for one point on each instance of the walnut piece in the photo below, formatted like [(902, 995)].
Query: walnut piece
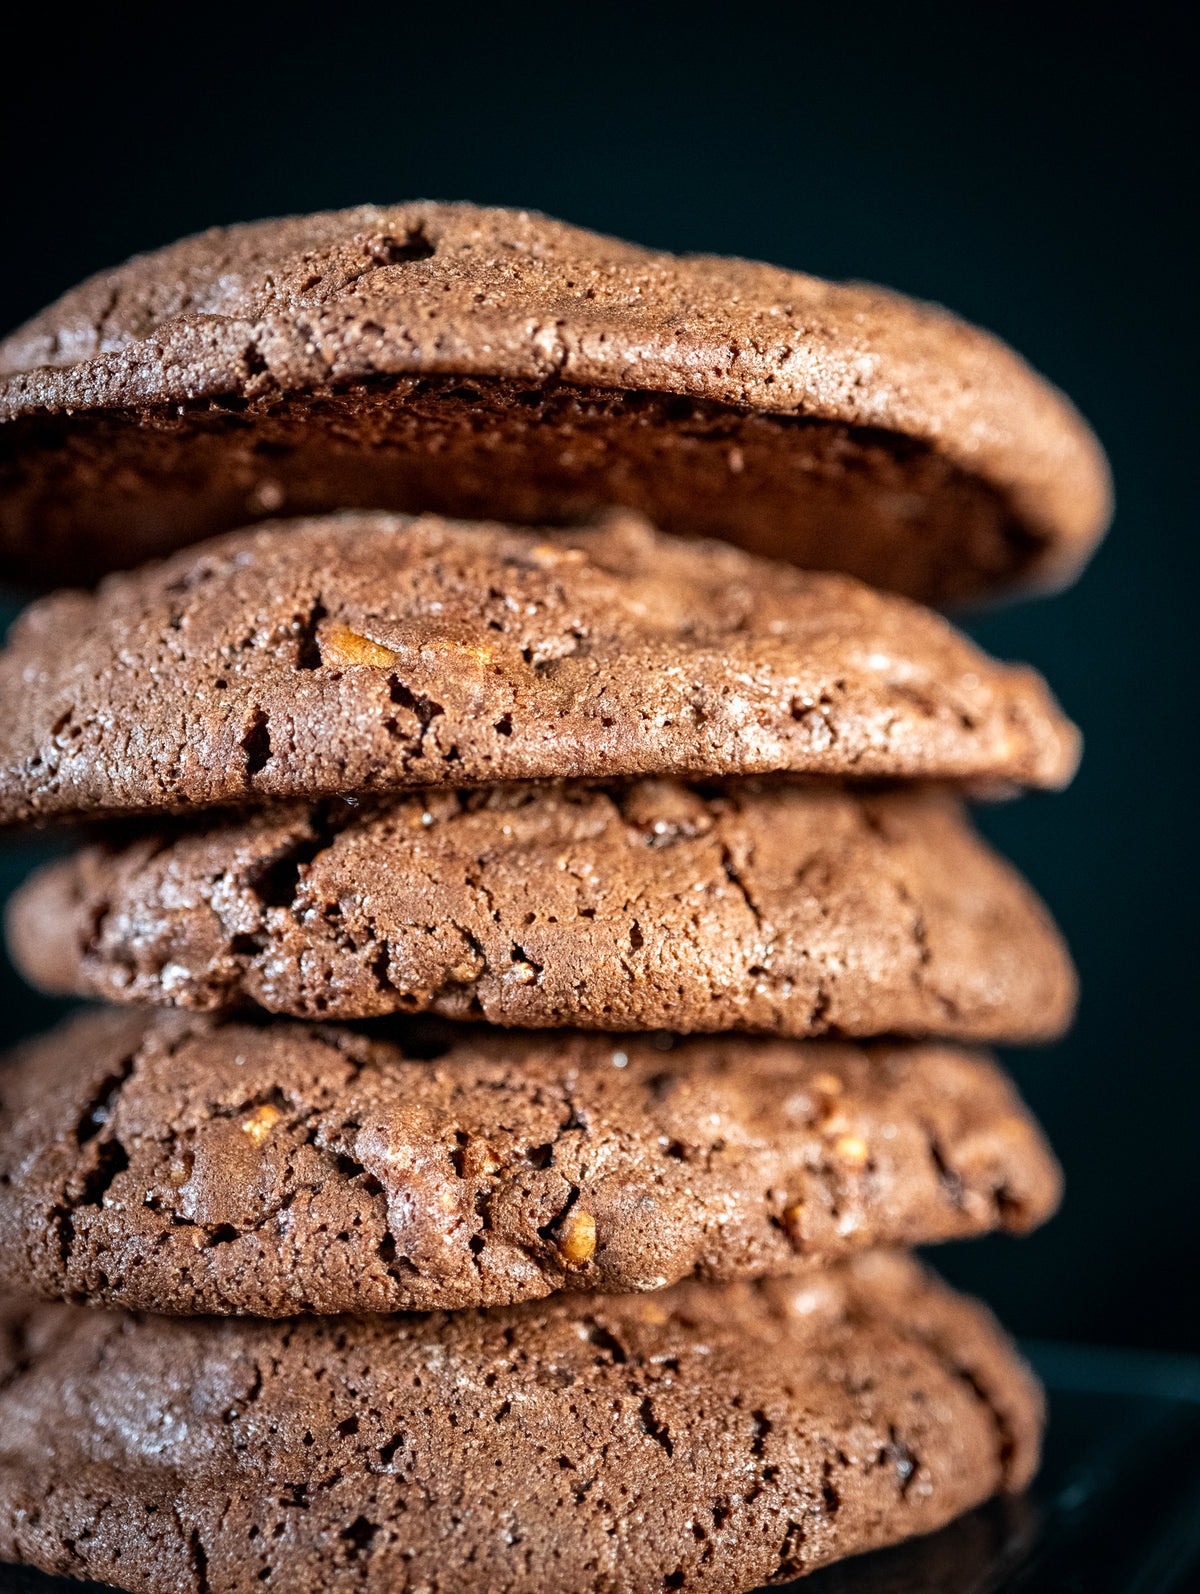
[(260, 1122), (851, 1149), (342, 649), (576, 1238)]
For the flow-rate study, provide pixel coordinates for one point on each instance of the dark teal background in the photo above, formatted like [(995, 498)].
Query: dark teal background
[(1031, 171)]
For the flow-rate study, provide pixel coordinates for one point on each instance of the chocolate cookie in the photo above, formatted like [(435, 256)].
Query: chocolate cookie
[(374, 652), (174, 1164), (772, 907), (707, 1437), (496, 363)]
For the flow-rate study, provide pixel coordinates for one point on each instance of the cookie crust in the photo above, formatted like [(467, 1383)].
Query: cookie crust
[(769, 907)]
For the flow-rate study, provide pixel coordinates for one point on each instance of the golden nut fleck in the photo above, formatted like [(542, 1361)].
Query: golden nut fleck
[(851, 1149), (522, 974), (793, 1217), (479, 1160), (576, 1238), (178, 1172), (342, 648), (260, 1122), (1012, 1125), (827, 1084), (548, 553), (654, 1314)]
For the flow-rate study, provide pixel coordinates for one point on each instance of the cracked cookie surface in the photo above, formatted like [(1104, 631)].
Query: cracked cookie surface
[(171, 1163), (772, 907), (369, 653), (710, 1437), (489, 362)]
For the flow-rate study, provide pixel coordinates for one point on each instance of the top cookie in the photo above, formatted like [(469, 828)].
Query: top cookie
[(497, 363), (369, 652)]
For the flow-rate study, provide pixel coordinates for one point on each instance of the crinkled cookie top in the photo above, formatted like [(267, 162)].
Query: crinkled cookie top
[(370, 653)]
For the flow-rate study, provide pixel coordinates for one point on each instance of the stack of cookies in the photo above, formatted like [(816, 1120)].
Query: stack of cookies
[(543, 941)]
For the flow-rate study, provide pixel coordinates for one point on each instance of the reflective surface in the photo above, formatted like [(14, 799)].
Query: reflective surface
[(1115, 1509)]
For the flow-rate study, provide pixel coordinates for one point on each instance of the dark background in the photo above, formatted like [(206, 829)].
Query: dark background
[(1031, 174)]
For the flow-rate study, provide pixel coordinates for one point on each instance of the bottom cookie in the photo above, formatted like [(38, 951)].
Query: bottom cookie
[(704, 1437)]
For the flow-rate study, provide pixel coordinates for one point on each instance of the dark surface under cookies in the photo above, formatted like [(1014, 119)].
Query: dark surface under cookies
[(767, 906), (710, 1436), (176, 1164)]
